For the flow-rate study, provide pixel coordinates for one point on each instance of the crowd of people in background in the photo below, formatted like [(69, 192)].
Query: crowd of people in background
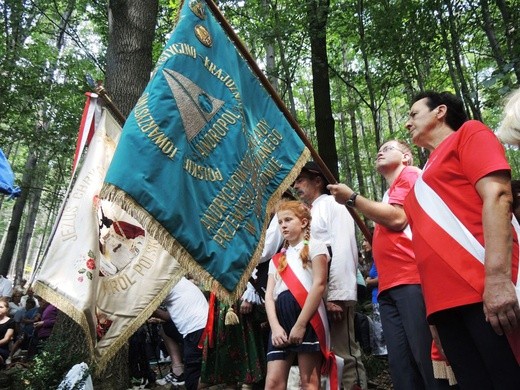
[(26, 322), (441, 272)]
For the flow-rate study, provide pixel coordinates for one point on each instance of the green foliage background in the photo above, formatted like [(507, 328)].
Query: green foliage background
[(379, 54)]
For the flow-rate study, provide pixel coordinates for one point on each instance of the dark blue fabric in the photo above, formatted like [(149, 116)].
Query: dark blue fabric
[(373, 274), (192, 359), (287, 312)]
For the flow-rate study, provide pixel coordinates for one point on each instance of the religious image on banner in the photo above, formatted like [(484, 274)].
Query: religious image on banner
[(102, 268), (205, 154)]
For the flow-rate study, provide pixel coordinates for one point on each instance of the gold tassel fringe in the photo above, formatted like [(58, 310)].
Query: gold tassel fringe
[(101, 361), (442, 370), (231, 317)]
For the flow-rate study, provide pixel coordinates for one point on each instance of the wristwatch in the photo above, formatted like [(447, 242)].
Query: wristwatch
[(351, 202)]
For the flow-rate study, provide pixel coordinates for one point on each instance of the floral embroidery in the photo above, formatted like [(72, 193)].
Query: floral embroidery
[(90, 265)]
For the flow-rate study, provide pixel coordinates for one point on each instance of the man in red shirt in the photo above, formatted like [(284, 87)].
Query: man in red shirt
[(465, 244), (401, 302)]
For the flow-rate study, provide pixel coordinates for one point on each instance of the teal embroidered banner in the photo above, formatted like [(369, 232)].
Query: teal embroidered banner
[(205, 154)]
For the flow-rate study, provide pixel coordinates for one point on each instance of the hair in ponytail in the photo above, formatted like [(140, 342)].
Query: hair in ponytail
[(282, 264), (301, 211), (304, 253)]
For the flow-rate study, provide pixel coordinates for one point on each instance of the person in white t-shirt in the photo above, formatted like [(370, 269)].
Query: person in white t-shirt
[(188, 309)]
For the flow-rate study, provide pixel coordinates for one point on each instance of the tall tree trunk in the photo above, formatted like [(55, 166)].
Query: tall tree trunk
[(270, 65), (27, 234), (345, 146), (372, 188), (287, 78), (511, 15), (449, 55), (19, 17), (270, 60), (355, 149), (129, 63), (454, 42), (308, 117), (317, 16), (131, 25), (372, 104), (287, 72), (489, 29), (389, 117), (16, 218), (344, 139), (419, 73), (56, 199)]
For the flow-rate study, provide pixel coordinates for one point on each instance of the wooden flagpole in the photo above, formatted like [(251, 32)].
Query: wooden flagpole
[(102, 93), (274, 95)]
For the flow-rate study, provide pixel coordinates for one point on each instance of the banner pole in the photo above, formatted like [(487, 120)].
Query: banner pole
[(102, 93), (274, 95)]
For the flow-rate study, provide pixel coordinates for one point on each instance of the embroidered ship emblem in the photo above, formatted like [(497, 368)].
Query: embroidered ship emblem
[(195, 106)]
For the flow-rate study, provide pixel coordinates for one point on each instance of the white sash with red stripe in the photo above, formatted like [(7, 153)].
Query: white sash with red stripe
[(86, 127), (299, 283), (437, 210)]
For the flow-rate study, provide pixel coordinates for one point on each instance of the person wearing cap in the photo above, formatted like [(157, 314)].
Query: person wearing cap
[(400, 298), (333, 225), (465, 242)]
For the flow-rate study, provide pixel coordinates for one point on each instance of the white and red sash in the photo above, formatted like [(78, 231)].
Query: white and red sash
[(427, 201), (86, 127), (299, 286)]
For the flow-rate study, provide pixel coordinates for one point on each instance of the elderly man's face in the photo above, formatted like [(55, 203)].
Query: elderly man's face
[(308, 187)]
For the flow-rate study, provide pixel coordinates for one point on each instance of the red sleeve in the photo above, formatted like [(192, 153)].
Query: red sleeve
[(480, 152), (402, 185)]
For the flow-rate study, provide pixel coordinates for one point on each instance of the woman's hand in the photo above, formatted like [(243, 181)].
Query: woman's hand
[(297, 333), (279, 337)]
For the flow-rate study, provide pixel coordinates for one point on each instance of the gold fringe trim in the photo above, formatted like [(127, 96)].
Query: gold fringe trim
[(100, 361), (170, 244), (231, 317), (67, 307), (442, 370), (111, 350)]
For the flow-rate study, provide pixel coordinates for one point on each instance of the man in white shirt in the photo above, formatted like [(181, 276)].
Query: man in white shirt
[(333, 225)]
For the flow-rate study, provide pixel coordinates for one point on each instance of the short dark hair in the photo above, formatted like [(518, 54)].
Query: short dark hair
[(455, 115)]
